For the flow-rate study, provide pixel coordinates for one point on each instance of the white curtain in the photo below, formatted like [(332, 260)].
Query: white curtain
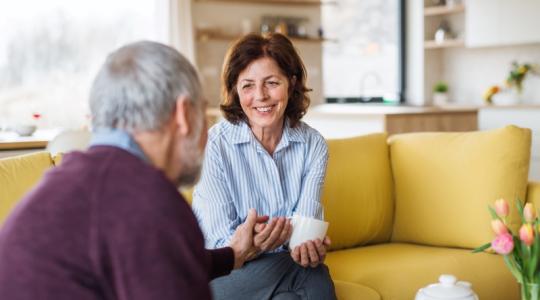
[(176, 28)]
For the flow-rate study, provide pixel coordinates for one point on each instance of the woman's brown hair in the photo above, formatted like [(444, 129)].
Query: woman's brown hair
[(250, 48)]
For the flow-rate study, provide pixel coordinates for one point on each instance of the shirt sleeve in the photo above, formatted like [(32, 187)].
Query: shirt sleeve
[(212, 201), (309, 203)]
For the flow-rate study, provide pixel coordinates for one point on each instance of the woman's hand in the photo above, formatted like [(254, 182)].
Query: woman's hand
[(270, 236), (311, 253)]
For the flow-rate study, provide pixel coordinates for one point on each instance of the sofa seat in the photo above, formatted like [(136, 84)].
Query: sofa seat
[(397, 270), (353, 291)]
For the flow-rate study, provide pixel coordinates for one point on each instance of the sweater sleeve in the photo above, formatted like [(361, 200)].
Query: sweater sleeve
[(222, 261), (146, 244)]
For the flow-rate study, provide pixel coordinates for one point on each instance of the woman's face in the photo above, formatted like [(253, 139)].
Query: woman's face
[(263, 92)]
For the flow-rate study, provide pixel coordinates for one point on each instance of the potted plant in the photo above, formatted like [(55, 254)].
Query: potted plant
[(440, 93)]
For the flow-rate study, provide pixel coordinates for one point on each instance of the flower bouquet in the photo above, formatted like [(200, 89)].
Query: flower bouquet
[(520, 252), (514, 80)]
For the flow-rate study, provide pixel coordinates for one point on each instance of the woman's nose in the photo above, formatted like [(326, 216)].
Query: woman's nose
[(261, 93)]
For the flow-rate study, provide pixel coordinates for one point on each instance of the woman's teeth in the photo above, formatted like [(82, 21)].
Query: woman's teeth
[(264, 109)]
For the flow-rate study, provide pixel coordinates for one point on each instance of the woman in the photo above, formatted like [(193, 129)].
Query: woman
[(262, 156)]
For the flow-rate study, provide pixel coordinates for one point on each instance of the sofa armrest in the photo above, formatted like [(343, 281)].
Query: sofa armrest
[(533, 193)]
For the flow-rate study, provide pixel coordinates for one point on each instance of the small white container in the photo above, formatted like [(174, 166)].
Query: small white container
[(305, 229), (448, 288), (24, 129)]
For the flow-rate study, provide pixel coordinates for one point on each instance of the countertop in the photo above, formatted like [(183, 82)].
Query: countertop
[(9, 140), (367, 109)]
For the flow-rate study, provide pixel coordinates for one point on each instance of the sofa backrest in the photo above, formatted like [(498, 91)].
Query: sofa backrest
[(358, 191), (444, 183), (18, 175), (533, 194)]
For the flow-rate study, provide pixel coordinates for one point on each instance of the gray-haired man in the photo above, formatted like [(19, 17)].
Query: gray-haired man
[(109, 223)]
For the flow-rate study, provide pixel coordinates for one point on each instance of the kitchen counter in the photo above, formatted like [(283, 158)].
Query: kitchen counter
[(12, 144), (345, 120), (366, 109)]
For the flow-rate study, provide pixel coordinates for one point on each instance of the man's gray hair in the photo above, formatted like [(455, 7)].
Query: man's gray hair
[(137, 87)]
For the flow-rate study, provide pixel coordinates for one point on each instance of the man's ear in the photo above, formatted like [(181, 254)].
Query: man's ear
[(181, 114)]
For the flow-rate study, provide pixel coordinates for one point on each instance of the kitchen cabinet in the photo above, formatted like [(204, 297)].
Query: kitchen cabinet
[(502, 22), (528, 116)]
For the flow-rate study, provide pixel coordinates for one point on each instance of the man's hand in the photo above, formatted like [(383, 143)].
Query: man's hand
[(273, 234), (311, 253), (242, 240)]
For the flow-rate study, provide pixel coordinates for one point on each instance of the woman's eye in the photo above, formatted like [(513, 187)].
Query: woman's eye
[(246, 86), (273, 83)]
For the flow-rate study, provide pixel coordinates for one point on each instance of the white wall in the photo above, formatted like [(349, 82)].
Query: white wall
[(470, 71)]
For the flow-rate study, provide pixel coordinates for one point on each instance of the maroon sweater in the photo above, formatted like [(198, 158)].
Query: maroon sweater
[(106, 225)]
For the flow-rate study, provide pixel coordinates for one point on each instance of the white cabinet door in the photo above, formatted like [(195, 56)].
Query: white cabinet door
[(502, 22), (482, 23)]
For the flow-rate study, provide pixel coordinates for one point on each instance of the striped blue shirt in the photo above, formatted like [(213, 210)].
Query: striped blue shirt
[(239, 174)]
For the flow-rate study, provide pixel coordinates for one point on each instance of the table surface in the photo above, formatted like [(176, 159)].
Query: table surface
[(10, 140)]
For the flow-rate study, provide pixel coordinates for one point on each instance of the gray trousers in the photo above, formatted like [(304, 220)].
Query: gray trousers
[(275, 276)]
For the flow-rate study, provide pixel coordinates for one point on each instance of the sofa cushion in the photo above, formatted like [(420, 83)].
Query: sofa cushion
[(357, 193), (354, 291), (396, 271), (17, 176), (444, 183)]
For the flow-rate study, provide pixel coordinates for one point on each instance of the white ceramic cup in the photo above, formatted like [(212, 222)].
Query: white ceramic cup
[(305, 229)]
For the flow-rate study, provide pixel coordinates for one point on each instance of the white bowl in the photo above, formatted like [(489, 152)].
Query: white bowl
[(25, 130)]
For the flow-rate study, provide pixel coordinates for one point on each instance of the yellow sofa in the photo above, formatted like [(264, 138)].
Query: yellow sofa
[(402, 210)]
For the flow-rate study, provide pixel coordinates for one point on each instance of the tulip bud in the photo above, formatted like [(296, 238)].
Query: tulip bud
[(501, 207), (498, 227), (526, 234), (529, 212), (503, 244)]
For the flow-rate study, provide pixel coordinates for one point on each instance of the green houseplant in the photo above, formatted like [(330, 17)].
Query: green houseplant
[(440, 93)]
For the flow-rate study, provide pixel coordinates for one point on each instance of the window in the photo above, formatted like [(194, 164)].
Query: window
[(365, 64), (51, 50)]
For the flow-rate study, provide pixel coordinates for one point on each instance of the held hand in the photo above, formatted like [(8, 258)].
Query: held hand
[(273, 234), (311, 253), (242, 241)]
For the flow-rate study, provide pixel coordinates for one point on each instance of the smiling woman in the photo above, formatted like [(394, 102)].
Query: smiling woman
[(49, 51), (264, 157)]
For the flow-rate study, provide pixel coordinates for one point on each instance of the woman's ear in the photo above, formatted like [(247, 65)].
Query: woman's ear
[(292, 83)]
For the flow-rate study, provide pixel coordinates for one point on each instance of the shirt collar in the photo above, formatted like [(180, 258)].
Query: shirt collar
[(117, 138), (245, 135)]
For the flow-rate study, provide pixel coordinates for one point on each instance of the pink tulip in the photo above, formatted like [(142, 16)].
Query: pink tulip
[(501, 207), (503, 243), (526, 234), (498, 227), (529, 212)]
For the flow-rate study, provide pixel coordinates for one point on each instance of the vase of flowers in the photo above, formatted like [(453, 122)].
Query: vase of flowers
[(521, 251), (512, 90)]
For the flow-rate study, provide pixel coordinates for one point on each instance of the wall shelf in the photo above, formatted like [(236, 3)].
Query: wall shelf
[(444, 44), (230, 38), (278, 2), (443, 10)]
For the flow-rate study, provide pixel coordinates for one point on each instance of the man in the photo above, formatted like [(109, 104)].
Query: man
[(109, 223)]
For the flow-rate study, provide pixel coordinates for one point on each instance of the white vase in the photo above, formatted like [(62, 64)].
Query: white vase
[(507, 97), (440, 99)]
